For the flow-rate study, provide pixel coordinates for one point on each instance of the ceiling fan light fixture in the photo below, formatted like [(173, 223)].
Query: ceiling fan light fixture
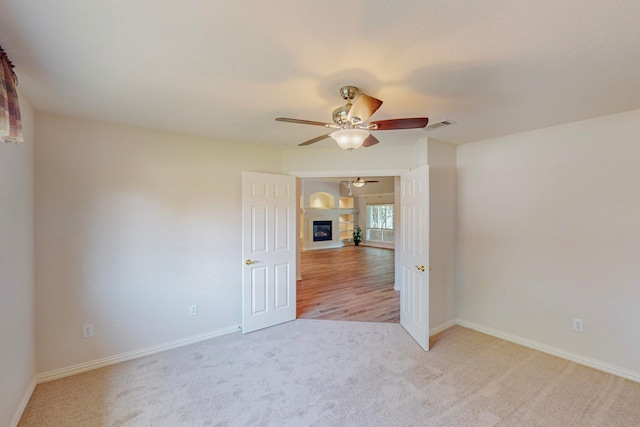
[(350, 139), (358, 182)]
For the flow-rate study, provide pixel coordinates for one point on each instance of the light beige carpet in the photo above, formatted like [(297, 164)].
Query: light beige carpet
[(333, 373)]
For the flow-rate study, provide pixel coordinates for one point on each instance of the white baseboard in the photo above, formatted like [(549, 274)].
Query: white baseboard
[(573, 357), (442, 327), (379, 245), (318, 248), (23, 404), (147, 351)]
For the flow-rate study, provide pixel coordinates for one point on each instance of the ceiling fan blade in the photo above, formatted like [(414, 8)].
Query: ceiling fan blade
[(363, 108), (369, 141), (303, 122), (366, 180), (316, 139), (391, 124)]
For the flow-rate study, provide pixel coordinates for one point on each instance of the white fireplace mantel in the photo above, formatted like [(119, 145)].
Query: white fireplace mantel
[(324, 214)]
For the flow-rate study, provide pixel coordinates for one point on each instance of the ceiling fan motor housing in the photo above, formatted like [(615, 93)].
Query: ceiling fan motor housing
[(340, 114), (348, 92)]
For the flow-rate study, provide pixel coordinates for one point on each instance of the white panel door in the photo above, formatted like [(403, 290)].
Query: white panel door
[(414, 255), (269, 250)]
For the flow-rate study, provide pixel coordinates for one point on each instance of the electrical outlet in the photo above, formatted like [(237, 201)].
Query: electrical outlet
[(87, 330), (578, 325), (193, 310)]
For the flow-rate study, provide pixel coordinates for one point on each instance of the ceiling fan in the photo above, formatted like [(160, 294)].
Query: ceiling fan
[(349, 121), (359, 182)]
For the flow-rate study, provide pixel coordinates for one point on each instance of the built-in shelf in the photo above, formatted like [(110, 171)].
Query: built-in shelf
[(346, 219), (322, 200), (346, 226), (345, 203)]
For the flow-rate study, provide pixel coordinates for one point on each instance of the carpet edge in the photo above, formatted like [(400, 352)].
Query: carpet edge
[(554, 351)]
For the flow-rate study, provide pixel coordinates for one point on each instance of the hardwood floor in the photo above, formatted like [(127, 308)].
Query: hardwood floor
[(349, 283)]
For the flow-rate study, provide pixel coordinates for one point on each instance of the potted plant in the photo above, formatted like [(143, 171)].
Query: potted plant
[(357, 235)]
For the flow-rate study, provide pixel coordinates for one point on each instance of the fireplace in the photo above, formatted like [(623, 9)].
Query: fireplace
[(322, 230)]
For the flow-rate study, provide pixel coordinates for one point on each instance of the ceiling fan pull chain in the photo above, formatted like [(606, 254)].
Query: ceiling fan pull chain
[(350, 177)]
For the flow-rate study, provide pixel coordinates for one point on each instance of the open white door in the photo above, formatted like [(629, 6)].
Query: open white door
[(414, 255), (268, 249)]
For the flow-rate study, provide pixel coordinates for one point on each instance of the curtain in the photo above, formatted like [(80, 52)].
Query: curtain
[(10, 123)]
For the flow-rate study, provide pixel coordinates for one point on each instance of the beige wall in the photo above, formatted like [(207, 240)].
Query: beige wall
[(549, 230), (132, 227), (442, 230), (17, 340), (330, 162)]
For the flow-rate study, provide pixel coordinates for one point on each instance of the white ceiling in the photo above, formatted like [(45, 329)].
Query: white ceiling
[(226, 69)]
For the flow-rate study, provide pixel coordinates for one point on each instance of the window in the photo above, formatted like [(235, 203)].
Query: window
[(380, 223)]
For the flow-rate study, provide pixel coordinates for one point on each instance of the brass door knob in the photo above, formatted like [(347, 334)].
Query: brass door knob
[(249, 262), (421, 268)]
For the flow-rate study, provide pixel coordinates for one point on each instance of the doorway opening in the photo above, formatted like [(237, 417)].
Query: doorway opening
[(338, 280)]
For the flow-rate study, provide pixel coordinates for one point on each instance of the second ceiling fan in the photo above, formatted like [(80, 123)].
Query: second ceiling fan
[(359, 182), (349, 121)]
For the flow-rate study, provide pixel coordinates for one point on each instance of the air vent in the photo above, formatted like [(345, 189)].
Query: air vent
[(441, 123)]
